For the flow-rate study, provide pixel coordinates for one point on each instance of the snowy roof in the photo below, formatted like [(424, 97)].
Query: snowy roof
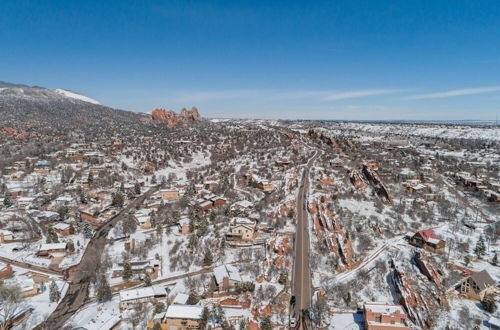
[(140, 293), (245, 204), (52, 246), (191, 312), (433, 240), (243, 221), (494, 321), (61, 226), (483, 279), (181, 299), (382, 308), (228, 271)]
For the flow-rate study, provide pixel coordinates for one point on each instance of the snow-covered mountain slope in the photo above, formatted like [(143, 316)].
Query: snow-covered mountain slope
[(77, 96)]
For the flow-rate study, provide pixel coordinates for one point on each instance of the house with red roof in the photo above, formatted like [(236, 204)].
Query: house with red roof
[(426, 239)]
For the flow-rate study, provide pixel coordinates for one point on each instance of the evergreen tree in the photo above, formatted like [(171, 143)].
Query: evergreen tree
[(283, 278), (159, 308), (489, 303), (127, 271), (54, 295), (205, 315), (266, 323), (243, 325), (90, 178), (71, 246), (117, 199), (480, 248), (7, 202), (494, 262), (103, 290), (137, 189), (208, 259), (147, 280), (153, 179), (193, 298)]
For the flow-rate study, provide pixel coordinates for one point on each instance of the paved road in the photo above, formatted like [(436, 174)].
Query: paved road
[(81, 275), (301, 272)]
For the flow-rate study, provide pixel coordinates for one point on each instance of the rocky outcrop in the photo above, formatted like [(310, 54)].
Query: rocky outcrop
[(171, 118)]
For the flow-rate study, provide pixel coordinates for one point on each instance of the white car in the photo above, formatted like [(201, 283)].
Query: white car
[(293, 322)]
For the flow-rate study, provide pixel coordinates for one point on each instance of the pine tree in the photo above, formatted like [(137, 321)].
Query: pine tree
[(480, 248), (90, 178), (117, 199), (243, 325), (266, 323), (494, 262), (137, 189), (103, 290), (147, 280), (489, 303), (7, 202), (127, 271), (193, 298), (159, 308), (54, 295), (208, 259), (205, 315)]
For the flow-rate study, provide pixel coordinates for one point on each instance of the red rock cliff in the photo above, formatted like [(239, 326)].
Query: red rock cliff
[(172, 119)]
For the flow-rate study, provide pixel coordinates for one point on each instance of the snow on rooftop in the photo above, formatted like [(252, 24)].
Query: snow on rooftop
[(384, 308), (191, 312), (140, 293)]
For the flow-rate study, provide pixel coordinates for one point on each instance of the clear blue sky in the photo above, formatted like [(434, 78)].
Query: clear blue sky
[(348, 59)]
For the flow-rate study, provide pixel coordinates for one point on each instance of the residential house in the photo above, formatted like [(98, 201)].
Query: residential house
[(6, 236), (51, 249), (380, 316), (241, 229), (427, 239), (218, 201), (179, 317), (151, 294), (226, 277), (265, 185), (5, 271), (169, 194), (63, 229), (185, 226), (477, 285)]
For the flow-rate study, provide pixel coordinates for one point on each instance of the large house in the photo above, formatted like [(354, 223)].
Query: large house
[(131, 298), (477, 285), (178, 317), (427, 239), (169, 194), (380, 316), (52, 249), (241, 229), (226, 277)]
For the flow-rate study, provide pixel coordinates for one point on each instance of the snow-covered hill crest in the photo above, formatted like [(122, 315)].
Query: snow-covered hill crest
[(75, 95)]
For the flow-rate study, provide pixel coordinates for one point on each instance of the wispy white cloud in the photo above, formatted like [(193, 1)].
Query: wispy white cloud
[(358, 93), (319, 95), (456, 92), (200, 96)]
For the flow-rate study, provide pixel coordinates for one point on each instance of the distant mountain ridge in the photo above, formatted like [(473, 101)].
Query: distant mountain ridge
[(25, 109)]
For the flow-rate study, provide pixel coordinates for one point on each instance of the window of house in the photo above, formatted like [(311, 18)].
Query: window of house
[(378, 319)]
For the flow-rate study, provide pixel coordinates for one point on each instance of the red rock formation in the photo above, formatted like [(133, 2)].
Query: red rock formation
[(172, 119)]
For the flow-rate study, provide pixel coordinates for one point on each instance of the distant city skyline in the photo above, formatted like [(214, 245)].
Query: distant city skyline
[(296, 60)]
